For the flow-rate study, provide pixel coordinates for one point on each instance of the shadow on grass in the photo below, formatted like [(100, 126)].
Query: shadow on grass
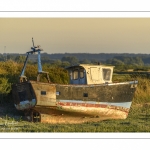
[(9, 112)]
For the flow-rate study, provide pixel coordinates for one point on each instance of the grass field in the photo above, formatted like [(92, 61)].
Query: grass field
[(138, 119)]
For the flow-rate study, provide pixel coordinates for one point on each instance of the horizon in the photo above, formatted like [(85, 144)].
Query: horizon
[(83, 53)]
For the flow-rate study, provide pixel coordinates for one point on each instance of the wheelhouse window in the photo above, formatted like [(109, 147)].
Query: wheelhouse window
[(75, 74), (106, 74), (81, 73)]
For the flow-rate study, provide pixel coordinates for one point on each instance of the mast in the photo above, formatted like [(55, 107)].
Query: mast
[(34, 50)]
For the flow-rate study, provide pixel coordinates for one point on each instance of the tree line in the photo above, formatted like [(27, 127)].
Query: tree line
[(101, 57), (120, 61)]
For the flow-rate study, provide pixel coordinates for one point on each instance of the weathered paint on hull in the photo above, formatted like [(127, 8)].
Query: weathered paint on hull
[(26, 104), (108, 100), (24, 96), (95, 109), (66, 116)]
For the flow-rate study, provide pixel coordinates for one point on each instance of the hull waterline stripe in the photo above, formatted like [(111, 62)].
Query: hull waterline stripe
[(121, 104), (93, 105)]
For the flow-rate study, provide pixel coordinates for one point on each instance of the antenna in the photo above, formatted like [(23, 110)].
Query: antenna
[(33, 42)]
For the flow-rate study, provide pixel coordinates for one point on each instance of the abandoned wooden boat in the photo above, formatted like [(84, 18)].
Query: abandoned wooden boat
[(90, 96)]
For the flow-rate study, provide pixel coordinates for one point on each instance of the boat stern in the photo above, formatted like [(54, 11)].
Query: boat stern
[(23, 96)]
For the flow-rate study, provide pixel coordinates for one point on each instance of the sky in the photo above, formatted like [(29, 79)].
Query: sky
[(75, 35)]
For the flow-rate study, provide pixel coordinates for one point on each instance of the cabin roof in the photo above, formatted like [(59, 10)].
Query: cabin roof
[(87, 65)]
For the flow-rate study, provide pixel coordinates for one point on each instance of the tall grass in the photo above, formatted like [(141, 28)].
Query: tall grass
[(142, 93)]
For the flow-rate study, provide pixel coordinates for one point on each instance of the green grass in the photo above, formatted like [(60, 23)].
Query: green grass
[(138, 121)]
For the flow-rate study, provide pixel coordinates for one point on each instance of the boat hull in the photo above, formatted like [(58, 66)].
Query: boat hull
[(97, 109), (110, 101)]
